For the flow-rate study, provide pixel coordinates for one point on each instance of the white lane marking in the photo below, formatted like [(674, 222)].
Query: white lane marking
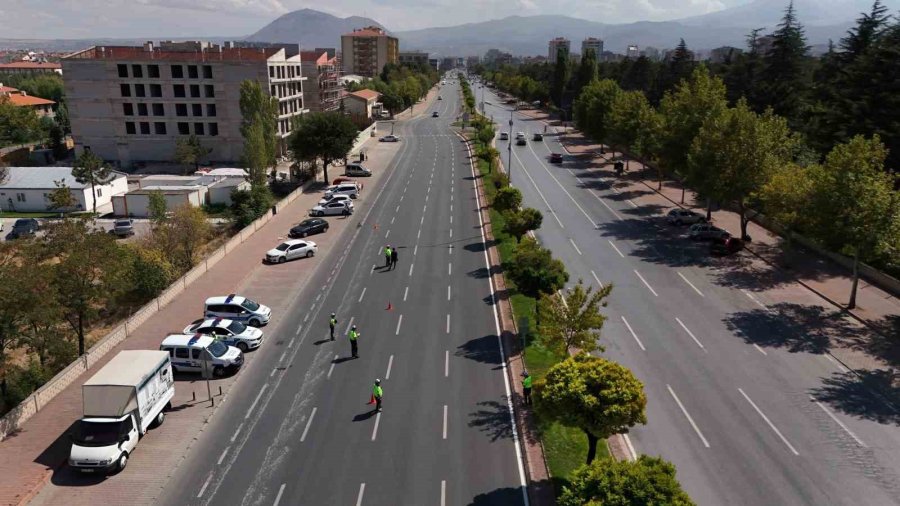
[(615, 248), (646, 283), (692, 285), (448, 292), (291, 343), (631, 452), (331, 369), (375, 429), (362, 488), (446, 363), (252, 406), (633, 334), (451, 208), (299, 328), (846, 429), (449, 269), (632, 203), (760, 349), (363, 294), (451, 220), (419, 234), (399, 321), (278, 497), (448, 323), (349, 324), (445, 421), (397, 210), (424, 209), (443, 492), (392, 219), (754, 299), (387, 234), (410, 269), (273, 372), (405, 292), (563, 188), (597, 279), (575, 246), (373, 269), (205, 484), (305, 318), (549, 207), (222, 457), (308, 424), (237, 432), (596, 196), (451, 233), (387, 375), (416, 250), (614, 189), (281, 358), (690, 333), (771, 425), (688, 416), (835, 362), (422, 220)]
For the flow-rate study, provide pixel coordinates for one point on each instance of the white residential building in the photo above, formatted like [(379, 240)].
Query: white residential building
[(27, 189)]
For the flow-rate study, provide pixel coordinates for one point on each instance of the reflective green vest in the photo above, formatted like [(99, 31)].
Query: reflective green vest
[(332, 322), (354, 335), (526, 383), (376, 391)]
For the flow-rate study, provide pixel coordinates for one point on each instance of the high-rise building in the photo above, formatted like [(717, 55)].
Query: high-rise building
[(414, 57), (632, 52), (472, 61), (555, 45), (132, 104), (651, 53), (322, 88), (367, 50), (448, 63), (592, 44)]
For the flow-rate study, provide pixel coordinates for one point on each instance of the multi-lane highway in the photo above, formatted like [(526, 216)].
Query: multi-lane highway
[(300, 431), (741, 421)]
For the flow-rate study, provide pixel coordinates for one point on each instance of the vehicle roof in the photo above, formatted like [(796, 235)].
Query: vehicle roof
[(295, 241), (226, 299), (200, 340), (129, 367), (218, 322)]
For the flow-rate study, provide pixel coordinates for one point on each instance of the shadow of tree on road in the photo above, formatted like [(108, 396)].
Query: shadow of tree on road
[(862, 394), (480, 349), (492, 418), (498, 497)]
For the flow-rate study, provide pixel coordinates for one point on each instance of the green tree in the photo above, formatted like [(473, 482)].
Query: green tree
[(259, 128), (12, 311), (521, 221), (679, 68), (534, 270), (18, 124), (248, 205), (61, 197), (854, 203), (43, 333), (869, 28), (742, 76), (587, 69), (648, 481), (636, 126), (572, 320), (56, 135), (158, 208), (326, 135), (489, 154), (507, 199), (183, 235), (785, 197), (743, 149), (562, 73), (149, 273), (91, 169), (640, 76), (785, 69), (598, 396), (190, 151), (593, 107)]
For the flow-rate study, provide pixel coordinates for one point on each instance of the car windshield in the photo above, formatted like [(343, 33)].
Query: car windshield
[(123, 223), (217, 348), (282, 247), (306, 223), (249, 304), (237, 327), (96, 433)]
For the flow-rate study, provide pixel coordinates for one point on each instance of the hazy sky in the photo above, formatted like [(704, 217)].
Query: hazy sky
[(186, 18)]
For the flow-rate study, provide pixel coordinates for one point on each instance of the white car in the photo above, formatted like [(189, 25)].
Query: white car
[(349, 189), (338, 198), (706, 232), (504, 136), (237, 307), (680, 216), (332, 209), (520, 135), (230, 332), (291, 249)]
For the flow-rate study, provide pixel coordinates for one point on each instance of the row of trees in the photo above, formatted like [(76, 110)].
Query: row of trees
[(400, 86)]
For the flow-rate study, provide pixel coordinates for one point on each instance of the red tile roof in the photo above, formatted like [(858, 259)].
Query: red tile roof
[(6, 89), (29, 65), (139, 53), (366, 94), (314, 56), (26, 100)]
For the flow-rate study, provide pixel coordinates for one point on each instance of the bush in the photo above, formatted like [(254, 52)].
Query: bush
[(501, 180), (150, 272), (248, 205)]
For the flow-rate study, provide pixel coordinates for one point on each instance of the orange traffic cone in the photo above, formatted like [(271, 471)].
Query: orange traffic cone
[(371, 399), (374, 226), (390, 307)]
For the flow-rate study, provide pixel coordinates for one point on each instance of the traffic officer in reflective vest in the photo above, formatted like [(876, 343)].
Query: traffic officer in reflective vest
[(354, 336), (331, 323), (377, 392), (526, 387)]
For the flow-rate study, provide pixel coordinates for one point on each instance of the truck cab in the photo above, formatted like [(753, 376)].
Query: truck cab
[(103, 444)]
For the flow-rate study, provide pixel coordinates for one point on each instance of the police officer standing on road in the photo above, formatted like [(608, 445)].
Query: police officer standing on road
[(387, 256), (354, 337), (393, 258), (377, 392), (526, 387), (331, 323)]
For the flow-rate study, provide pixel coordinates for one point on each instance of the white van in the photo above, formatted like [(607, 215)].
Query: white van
[(186, 353), (238, 308), (349, 189)]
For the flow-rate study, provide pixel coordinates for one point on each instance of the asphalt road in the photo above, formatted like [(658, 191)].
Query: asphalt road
[(300, 431), (743, 423)]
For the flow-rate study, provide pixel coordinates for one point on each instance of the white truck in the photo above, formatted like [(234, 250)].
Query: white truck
[(121, 402)]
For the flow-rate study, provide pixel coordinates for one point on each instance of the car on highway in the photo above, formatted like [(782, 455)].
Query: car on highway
[(337, 198), (504, 136), (538, 136), (291, 249), (230, 332), (123, 228), (440, 97), (349, 189), (357, 170), (679, 216), (332, 209), (726, 246), (389, 138), (520, 135), (24, 227), (521, 142), (435, 114), (706, 232), (237, 307), (556, 158), (307, 227), (186, 353)]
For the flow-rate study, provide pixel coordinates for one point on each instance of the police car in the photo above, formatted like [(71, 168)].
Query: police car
[(230, 332), (187, 354), (238, 308)]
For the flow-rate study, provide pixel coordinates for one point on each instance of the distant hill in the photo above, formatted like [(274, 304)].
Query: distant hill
[(310, 28)]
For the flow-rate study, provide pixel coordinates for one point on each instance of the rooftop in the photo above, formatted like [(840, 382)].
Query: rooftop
[(23, 100), (34, 178), (30, 65), (366, 94), (369, 31), (141, 53)]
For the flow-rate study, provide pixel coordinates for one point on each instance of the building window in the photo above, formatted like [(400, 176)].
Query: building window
[(196, 109), (274, 91), (195, 91), (145, 128), (129, 128), (177, 71), (207, 72), (142, 109), (20, 197), (128, 109), (211, 110), (181, 109), (159, 110), (153, 71), (159, 128), (178, 90), (156, 90), (214, 129), (198, 129), (123, 70), (209, 91), (272, 72), (139, 90), (125, 89), (137, 71), (99, 191), (183, 129), (192, 72)]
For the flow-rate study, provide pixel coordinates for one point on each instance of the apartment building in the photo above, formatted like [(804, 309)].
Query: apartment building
[(322, 88), (555, 45), (592, 44), (414, 57), (132, 104), (367, 50)]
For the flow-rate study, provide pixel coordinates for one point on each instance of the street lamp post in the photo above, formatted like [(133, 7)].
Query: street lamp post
[(509, 148)]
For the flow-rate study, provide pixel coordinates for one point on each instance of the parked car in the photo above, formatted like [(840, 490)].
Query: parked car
[(337, 198), (726, 246), (24, 227), (556, 158), (308, 227), (237, 307), (123, 228), (332, 209), (230, 332), (435, 114), (538, 136), (187, 352), (354, 169), (344, 179), (679, 216), (706, 232), (389, 138), (504, 136), (349, 189), (291, 249)]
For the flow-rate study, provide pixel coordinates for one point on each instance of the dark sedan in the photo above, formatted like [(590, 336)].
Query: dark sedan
[(309, 227), (556, 158), (24, 227)]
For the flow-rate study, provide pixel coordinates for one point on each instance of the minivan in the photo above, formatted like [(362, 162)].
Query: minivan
[(355, 169), (236, 307), (186, 353)]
